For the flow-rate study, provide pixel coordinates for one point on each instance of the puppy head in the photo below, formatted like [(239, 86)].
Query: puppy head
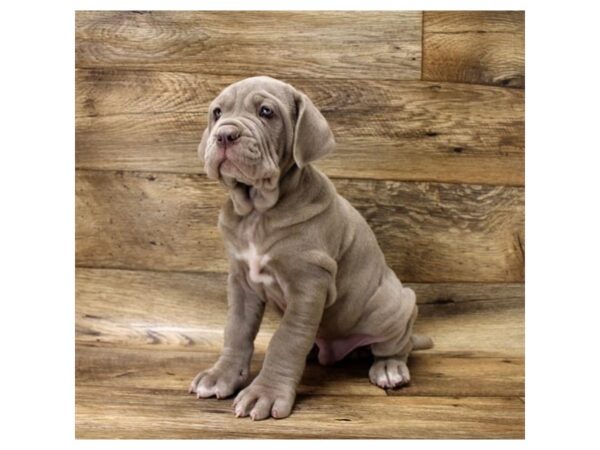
[(257, 129)]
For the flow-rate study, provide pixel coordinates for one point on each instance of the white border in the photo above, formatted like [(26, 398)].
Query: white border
[(38, 221), (255, 5)]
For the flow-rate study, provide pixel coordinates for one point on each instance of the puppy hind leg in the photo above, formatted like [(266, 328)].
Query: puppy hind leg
[(390, 369)]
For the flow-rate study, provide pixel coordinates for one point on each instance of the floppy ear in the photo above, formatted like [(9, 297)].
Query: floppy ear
[(202, 146), (313, 138)]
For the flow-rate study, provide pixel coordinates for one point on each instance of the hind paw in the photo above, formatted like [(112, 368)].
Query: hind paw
[(389, 373)]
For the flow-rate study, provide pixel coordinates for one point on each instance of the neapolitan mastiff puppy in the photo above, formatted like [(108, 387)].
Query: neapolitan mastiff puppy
[(292, 240)]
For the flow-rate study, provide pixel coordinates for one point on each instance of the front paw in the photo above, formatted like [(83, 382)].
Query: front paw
[(221, 381), (261, 400)]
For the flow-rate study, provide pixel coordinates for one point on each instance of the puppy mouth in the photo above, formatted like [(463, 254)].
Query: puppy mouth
[(228, 168), (246, 161), (231, 167)]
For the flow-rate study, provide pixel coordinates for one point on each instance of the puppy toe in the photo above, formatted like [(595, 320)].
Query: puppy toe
[(262, 409), (282, 408), (205, 387), (244, 403), (195, 381), (205, 391), (395, 377), (398, 374), (377, 374), (404, 373), (224, 390)]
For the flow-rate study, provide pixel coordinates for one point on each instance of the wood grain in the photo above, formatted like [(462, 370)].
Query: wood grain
[(433, 374), (485, 47), (429, 232), (151, 275), (469, 386), (163, 413), (165, 310), (384, 45), (384, 130)]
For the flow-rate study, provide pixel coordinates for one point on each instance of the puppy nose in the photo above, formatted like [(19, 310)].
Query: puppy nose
[(227, 135)]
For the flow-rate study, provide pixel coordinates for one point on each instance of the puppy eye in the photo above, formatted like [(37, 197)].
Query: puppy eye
[(265, 112), (217, 113)]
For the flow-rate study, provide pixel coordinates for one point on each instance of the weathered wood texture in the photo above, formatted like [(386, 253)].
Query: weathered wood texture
[(384, 130), (429, 232), (474, 47), (161, 413), (284, 44), (172, 324), (416, 101), (433, 374), (119, 307)]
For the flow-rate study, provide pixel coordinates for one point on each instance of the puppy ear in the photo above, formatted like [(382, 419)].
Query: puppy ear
[(313, 138), (202, 146)]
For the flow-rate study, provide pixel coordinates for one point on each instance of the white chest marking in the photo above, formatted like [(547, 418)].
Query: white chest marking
[(256, 262)]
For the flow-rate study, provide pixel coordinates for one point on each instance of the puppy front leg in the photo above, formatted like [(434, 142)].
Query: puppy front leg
[(273, 391), (231, 371)]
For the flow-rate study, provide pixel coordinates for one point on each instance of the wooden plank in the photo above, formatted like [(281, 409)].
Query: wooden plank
[(433, 374), (384, 130), (125, 392), (429, 232), (322, 44), (475, 47), (105, 92), (163, 413), (185, 310), (458, 294), (174, 369)]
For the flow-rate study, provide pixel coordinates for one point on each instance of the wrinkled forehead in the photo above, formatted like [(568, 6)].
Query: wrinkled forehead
[(247, 91)]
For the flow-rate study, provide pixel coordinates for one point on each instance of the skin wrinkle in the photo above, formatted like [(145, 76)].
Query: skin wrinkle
[(294, 241), (242, 160)]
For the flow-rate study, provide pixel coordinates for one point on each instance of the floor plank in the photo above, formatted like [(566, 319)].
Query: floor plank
[(433, 374), (485, 47), (283, 43), (162, 413), (142, 336), (429, 232), (421, 131), (165, 310)]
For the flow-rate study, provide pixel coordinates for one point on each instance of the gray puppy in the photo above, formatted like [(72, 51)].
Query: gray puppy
[(294, 241)]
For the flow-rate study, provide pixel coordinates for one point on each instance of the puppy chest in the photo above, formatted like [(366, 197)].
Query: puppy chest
[(249, 248), (259, 277), (256, 263)]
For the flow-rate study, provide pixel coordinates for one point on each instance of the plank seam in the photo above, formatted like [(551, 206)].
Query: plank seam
[(240, 76), (206, 272), (311, 395), (516, 398), (422, 43), (510, 33), (198, 272), (333, 177), (305, 78), (117, 69), (468, 83)]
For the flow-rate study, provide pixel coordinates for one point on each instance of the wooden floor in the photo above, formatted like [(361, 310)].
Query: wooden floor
[(142, 336), (428, 114)]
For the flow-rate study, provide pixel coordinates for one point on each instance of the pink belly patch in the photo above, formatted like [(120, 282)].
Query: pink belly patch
[(333, 350)]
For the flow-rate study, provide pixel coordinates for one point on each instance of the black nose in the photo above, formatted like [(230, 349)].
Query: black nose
[(227, 135)]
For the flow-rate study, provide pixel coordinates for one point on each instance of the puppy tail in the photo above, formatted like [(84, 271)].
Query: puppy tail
[(421, 342)]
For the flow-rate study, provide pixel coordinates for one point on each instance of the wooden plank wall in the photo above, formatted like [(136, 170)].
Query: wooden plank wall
[(445, 159), (428, 113)]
